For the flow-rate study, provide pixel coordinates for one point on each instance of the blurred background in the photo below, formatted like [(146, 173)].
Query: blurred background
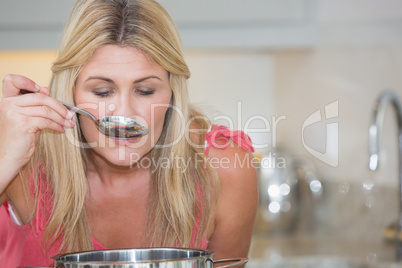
[(295, 74), (263, 66)]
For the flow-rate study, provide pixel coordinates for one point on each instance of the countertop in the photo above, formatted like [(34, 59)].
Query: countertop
[(345, 223)]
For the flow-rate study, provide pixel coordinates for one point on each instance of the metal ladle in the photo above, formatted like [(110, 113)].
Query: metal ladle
[(115, 126)]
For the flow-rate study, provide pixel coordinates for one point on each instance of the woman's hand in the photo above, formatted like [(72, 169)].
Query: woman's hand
[(22, 117)]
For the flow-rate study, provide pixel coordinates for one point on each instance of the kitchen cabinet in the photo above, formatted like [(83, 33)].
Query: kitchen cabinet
[(266, 24), (207, 24), (35, 24)]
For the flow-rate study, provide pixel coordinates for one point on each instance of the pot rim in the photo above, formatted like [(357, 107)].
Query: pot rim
[(208, 255)]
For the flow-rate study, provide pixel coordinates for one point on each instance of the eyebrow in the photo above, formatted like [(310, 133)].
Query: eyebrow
[(111, 81)]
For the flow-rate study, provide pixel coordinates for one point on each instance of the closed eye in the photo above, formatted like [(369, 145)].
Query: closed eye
[(102, 94), (146, 92)]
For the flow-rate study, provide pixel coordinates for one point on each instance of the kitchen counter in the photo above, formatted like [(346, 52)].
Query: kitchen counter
[(345, 224)]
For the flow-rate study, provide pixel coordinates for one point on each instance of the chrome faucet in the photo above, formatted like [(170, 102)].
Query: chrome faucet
[(383, 100)]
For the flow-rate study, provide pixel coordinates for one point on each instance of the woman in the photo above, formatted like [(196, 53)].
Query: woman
[(66, 187)]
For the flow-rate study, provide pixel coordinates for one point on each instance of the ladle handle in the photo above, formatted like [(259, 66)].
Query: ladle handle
[(68, 106), (79, 111)]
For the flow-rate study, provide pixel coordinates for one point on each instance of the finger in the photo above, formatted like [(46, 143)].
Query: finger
[(47, 113), (40, 123), (13, 83), (39, 99), (45, 90)]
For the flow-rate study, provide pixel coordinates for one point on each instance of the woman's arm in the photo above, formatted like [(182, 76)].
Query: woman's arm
[(235, 213), (22, 118)]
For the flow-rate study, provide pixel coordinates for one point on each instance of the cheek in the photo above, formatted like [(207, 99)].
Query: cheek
[(88, 129), (158, 119), (95, 107)]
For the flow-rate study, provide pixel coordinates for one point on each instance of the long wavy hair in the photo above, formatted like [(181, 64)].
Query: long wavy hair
[(181, 198)]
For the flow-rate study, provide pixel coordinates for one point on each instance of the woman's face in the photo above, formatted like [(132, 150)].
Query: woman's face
[(122, 81)]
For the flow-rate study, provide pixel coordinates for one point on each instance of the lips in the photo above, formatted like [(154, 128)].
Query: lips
[(125, 142)]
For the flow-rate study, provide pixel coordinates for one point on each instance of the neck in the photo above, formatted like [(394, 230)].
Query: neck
[(112, 176)]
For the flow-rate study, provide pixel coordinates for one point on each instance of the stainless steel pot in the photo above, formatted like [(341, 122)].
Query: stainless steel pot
[(143, 258)]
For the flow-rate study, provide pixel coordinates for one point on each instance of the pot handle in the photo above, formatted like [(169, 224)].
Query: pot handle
[(238, 261)]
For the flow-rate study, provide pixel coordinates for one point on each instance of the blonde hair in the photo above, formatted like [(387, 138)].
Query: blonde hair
[(180, 199)]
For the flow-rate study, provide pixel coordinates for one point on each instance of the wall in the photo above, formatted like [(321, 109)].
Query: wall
[(33, 64), (358, 54), (353, 77), (235, 89)]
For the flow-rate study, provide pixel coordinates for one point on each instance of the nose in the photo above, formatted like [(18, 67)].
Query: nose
[(125, 105)]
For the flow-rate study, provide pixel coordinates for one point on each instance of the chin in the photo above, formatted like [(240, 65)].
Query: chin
[(123, 164), (121, 156)]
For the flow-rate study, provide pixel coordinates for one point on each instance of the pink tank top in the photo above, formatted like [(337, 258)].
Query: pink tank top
[(21, 245)]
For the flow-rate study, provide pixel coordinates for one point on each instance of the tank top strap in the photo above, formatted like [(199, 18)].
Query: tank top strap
[(223, 133)]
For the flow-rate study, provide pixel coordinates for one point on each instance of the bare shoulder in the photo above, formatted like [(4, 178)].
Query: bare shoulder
[(235, 213), (237, 173), (233, 162)]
